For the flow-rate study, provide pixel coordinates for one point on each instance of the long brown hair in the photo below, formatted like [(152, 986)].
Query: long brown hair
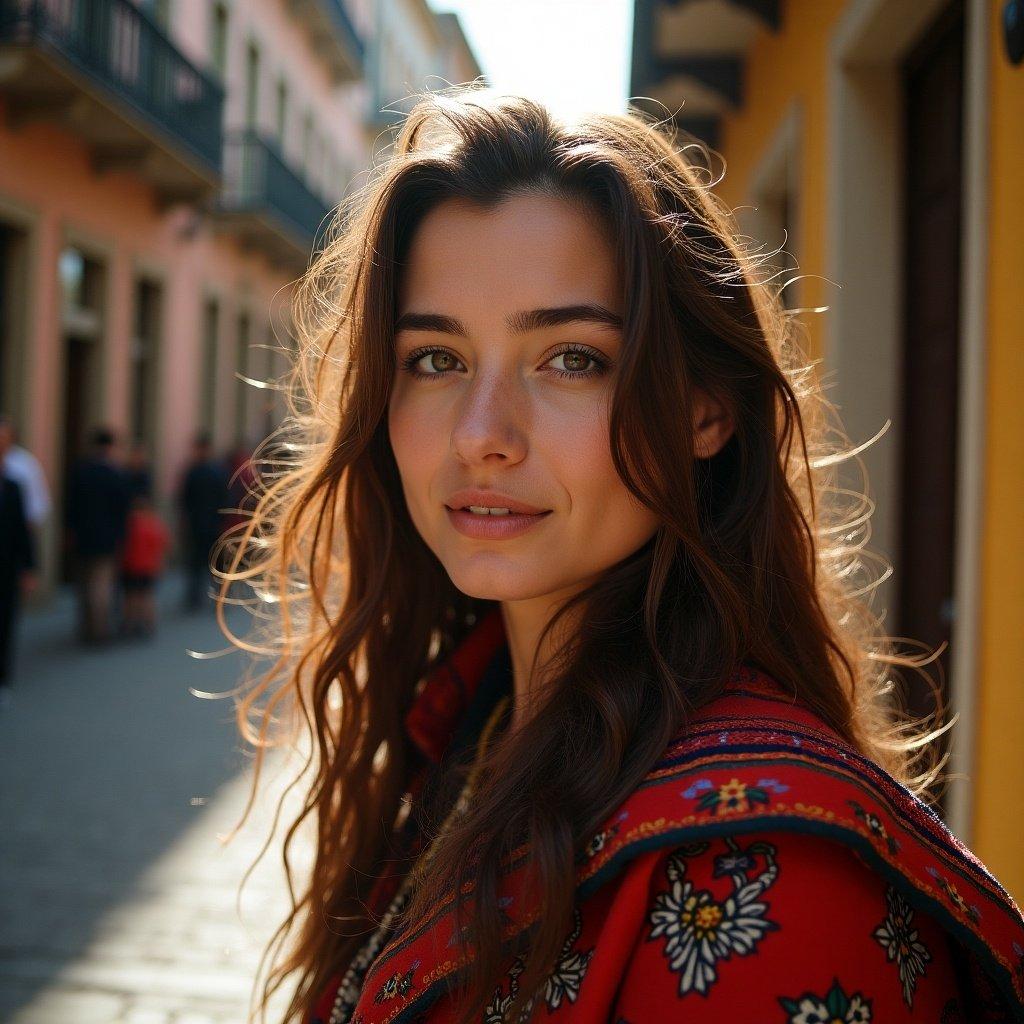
[(760, 554)]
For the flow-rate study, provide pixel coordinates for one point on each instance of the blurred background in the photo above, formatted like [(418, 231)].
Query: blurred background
[(166, 168)]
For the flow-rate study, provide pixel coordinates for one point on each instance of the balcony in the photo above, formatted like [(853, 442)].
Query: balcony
[(265, 204), (105, 70), (334, 36)]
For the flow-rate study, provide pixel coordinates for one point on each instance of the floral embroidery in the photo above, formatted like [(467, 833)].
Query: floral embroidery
[(874, 823), (497, 1008), (734, 796), (955, 898), (698, 929), (397, 985), (836, 1007), (349, 990), (563, 983), (600, 839), (901, 943)]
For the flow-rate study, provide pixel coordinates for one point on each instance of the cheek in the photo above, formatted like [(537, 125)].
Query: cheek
[(602, 506), (414, 448)]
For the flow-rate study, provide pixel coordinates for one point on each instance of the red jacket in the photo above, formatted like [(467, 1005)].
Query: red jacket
[(145, 544), (762, 872)]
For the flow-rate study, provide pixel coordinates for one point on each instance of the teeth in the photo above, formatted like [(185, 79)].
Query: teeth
[(483, 510)]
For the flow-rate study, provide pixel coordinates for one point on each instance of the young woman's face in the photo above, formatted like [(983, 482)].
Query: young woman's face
[(507, 344)]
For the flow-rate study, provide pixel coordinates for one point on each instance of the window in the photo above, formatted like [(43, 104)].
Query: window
[(282, 111), (244, 389), (144, 356), (208, 385), (219, 38), (252, 85), (307, 141), (315, 161)]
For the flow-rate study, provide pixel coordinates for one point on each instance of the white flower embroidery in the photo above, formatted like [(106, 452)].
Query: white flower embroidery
[(901, 943), (563, 983), (567, 977), (813, 1011), (347, 997), (699, 930), (834, 1007)]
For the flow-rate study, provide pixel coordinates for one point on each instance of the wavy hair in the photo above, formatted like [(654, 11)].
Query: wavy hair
[(759, 554)]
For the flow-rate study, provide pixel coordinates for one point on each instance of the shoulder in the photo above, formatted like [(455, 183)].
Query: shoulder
[(755, 762), (781, 925)]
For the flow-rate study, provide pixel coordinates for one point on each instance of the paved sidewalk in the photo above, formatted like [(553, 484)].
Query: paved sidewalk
[(117, 901)]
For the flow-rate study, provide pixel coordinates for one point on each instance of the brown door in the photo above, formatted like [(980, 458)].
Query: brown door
[(933, 91), (77, 378), (14, 271)]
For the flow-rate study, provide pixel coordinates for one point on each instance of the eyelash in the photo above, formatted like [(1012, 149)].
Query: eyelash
[(410, 361)]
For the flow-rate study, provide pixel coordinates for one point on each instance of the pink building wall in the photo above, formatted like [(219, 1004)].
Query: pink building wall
[(49, 186), (54, 197)]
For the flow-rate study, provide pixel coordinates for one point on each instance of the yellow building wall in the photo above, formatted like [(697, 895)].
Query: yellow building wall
[(792, 65), (999, 772), (780, 68)]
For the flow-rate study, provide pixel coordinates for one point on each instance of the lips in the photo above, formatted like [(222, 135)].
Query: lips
[(500, 527), (461, 500)]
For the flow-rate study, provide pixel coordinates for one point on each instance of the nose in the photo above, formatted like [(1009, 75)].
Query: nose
[(491, 421)]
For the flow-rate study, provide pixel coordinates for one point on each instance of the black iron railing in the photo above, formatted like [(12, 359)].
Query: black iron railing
[(123, 51), (257, 179)]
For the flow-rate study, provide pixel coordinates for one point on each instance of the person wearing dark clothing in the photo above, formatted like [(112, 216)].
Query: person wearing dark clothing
[(137, 472), (96, 517), (17, 559), (203, 493)]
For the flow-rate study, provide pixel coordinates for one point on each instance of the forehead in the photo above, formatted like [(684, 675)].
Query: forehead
[(528, 251)]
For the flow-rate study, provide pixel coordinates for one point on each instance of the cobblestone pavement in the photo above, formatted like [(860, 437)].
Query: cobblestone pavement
[(117, 899)]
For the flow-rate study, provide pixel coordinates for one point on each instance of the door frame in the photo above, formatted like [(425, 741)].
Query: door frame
[(864, 332)]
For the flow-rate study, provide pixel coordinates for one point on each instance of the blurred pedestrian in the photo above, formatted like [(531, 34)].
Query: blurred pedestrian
[(202, 496), (241, 484), (17, 564), (21, 465), (241, 487), (137, 470), (96, 517), (139, 480), (146, 544)]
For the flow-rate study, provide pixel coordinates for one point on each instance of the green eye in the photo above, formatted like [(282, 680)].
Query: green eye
[(600, 364)]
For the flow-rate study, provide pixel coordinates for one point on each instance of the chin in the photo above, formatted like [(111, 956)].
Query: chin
[(499, 582)]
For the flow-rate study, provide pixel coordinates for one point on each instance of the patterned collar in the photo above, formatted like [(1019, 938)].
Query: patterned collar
[(458, 695), (447, 697)]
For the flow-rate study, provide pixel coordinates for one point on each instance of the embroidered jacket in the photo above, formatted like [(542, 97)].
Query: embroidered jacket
[(762, 871)]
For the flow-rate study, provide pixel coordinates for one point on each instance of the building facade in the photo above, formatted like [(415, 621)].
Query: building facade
[(878, 142), (166, 169)]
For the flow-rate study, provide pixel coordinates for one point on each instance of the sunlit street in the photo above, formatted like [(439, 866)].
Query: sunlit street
[(119, 900)]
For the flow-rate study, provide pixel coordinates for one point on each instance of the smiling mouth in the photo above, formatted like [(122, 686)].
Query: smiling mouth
[(482, 511)]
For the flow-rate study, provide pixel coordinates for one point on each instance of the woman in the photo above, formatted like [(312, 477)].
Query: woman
[(601, 725)]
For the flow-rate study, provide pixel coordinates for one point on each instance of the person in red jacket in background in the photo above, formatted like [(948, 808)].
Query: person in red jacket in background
[(146, 544)]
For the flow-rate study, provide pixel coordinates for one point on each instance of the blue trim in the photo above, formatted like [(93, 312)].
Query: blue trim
[(869, 785)]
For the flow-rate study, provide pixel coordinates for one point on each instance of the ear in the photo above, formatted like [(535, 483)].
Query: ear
[(712, 425)]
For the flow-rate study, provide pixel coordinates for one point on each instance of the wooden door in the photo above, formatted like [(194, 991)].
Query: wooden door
[(933, 94)]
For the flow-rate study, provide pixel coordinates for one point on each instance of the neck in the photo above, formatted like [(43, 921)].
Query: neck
[(524, 622)]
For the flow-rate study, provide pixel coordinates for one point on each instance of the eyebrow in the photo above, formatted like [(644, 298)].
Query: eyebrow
[(518, 323)]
